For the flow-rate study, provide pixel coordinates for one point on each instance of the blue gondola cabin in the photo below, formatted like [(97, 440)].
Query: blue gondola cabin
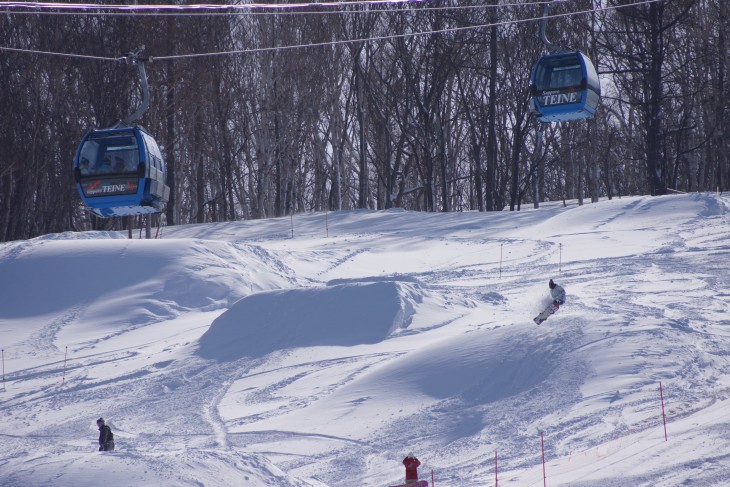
[(120, 172), (565, 86)]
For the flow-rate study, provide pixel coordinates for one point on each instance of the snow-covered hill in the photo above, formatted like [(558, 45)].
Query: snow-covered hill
[(318, 350)]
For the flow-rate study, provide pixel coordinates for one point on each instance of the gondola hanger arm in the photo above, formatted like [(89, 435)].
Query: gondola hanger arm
[(552, 48), (139, 58)]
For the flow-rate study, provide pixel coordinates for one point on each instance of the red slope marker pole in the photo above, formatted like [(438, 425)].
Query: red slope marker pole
[(544, 475), (664, 416)]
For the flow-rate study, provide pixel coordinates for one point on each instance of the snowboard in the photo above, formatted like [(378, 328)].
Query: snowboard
[(545, 314), (420, 483)]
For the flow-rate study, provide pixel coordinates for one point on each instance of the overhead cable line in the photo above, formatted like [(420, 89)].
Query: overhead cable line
[(338, 42), (397, 36), (273, 9), (199, 7), (62, 54)]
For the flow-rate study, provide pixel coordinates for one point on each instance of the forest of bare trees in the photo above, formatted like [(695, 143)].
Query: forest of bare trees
[(266, 112)]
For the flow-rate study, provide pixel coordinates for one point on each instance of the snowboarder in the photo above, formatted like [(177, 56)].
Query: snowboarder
[(106, 437), (411, 463), (558, 294)]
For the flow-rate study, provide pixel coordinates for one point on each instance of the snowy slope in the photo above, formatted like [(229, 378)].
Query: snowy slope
[(319, 350)]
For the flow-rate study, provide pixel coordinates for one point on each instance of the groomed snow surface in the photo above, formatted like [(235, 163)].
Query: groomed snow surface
[(319, 350)]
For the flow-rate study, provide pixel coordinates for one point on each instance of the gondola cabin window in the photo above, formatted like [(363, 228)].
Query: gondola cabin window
[(559, 74), (105, 156)]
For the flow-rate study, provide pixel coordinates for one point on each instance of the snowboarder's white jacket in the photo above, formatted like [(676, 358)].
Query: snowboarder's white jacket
[(558, 294)]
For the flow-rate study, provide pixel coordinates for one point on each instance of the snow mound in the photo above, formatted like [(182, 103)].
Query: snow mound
[(346, 314), (105, 278), (477, 368), (125, 468)]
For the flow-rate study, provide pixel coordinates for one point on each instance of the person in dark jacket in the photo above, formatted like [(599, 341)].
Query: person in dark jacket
[(106, 437), (411, 463)]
